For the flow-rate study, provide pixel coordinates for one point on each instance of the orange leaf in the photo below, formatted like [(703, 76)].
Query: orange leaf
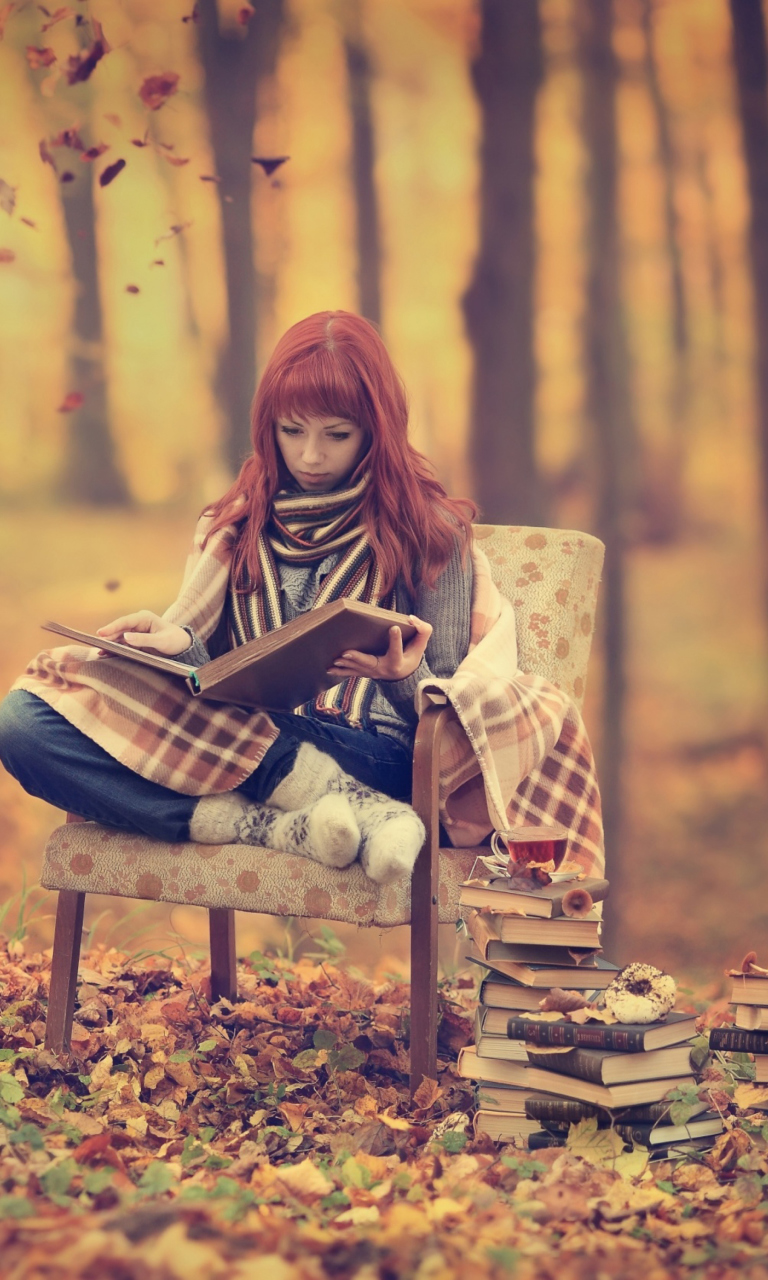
[(562, 1001), (427, 1094)]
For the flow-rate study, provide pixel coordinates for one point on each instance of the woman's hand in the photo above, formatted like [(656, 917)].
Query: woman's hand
[(395, 664), (145, 630)]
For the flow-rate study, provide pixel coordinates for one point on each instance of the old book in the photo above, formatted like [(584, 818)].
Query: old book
[(737, 1040), (749, 988), (634, 1093), (494, 1021), (281, 670), (562, 932), (593, 976), (528, 845), (620, 1037), (500, 993), (503, 1126), (544, 903), (485, 935), (471, 1067), (499, 1045), (750, 1017), (654, 1135), (502, 1097), (761, 1068), (553, 1110), (603, 1066)]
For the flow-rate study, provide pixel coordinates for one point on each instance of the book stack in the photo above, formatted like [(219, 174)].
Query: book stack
[(749, 995), (536, 1077)]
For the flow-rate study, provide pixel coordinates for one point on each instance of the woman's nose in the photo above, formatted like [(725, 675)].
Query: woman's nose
[(312, 452)]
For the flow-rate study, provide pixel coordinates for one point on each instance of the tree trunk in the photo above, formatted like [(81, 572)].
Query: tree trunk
[(608, 404), (363, 157), (234, 61), (498, 305), (749, 51), (90, 471)]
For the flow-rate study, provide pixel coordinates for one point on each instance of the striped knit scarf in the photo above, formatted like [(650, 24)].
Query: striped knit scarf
[(303, 529)]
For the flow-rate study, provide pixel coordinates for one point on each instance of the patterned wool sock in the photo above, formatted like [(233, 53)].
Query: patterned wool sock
[(392, 833), (308, 780), (326, 831)]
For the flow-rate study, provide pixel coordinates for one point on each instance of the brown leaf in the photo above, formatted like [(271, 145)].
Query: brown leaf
[(93, 153), (80, 66), (132, 288), (58, 16), (29, 223), (111, 172), (177, 161), (71, 401), (294, 1113), (39, 57), (7, 255), (561, 1001), (427, 1094), (156, 90), (728, 1150)]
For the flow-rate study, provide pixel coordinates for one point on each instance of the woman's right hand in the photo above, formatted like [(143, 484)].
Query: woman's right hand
[(146, 630)]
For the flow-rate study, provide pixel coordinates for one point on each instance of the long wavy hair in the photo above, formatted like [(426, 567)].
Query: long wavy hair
[(334, 364)]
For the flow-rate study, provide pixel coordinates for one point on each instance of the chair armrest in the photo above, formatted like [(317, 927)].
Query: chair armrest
[(426, 769)]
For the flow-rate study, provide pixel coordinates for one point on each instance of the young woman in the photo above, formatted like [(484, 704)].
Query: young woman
[(332, 502)]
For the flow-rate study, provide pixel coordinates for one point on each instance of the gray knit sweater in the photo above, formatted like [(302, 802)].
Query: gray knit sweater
[(447, 608)]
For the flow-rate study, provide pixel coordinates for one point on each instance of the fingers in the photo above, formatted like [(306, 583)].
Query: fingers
[(418, 644), (130, 621)]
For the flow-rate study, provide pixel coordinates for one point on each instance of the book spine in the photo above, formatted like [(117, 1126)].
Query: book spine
[(578, 1063), (558, 1110), (571, 1033), (538, 1141), (733, 1040), (639, 1134)]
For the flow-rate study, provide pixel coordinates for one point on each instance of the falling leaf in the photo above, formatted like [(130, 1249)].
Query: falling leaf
[(29, 223), (93, 153), (269, 163), (7, 255), (71, 401), (5, 12), (112, 584), (132, 288), (244, 16), (141, 142), (194, 16), (209, 177), (80, 66), (58, 16), (45, 154), (175, 230), (67, 176), (157, 262), (178, 161), (111, 172), (69, 138), (39, 57), (7, 197), (113, 119), (156, 90)]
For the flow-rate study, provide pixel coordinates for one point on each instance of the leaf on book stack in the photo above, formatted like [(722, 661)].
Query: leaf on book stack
[(747, 1096), (588, 1013), (559, 1001), (605, 1148)]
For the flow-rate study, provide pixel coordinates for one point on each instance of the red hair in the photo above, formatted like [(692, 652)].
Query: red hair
[(334, 364)]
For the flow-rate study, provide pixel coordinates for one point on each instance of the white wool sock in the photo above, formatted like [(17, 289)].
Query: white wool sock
[(326, 831), (392, 833)]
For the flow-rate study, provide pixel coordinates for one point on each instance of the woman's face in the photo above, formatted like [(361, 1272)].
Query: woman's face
[(320, 453)]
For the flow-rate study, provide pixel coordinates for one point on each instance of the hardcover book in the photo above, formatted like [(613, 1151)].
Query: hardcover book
[(749, 988), (552, 1110), (562, 932), (736, 1040), (282, 669), (499, 1045), (492, 1070), (749, 1016), (619, 1037), (485, 936), (602, 1066), (635, 1093), (499, 993), (544, 903), (593, 976)]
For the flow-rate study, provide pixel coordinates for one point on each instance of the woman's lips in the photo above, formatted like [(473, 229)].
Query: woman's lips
[(310, 477)]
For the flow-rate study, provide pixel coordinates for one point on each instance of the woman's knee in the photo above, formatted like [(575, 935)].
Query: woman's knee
[(21, 729)]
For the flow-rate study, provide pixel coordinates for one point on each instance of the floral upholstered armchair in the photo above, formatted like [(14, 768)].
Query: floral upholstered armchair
[(552, 577)]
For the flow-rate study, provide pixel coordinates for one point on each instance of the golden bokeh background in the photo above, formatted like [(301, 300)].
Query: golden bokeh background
[(691, 861)]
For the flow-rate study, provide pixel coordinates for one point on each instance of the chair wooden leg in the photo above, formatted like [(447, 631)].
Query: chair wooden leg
[(223, 957), (424, 888), (64, 965)]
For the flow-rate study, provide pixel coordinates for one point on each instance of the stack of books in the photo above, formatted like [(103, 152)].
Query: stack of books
[(749, 994), (536, 1077)]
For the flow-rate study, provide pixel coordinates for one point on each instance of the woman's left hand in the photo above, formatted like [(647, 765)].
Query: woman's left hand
[(395, 664)]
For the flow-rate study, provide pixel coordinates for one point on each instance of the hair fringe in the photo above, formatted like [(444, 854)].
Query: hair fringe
[(335, 363)]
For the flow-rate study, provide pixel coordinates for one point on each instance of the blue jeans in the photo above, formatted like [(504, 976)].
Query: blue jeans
[(56, 762)]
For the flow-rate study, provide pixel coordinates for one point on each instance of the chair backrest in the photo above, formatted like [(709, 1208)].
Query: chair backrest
[(551, 577)]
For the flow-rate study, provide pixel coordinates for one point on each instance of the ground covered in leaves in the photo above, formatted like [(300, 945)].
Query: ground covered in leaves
[(275, 1137)]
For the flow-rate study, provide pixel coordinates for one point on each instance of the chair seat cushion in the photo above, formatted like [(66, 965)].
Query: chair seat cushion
[(94, 859)]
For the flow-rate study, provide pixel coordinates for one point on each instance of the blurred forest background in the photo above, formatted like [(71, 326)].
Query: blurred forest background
[(557, 211)]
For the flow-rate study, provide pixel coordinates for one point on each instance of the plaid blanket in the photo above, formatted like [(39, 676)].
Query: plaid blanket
[(515, 752)]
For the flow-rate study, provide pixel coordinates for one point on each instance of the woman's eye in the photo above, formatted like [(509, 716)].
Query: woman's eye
[(340, 435), (290, 431)]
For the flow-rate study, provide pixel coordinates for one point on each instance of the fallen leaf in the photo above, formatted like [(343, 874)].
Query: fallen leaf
[(111, 172), (39, 57), (599, 1146), (304, 1180), (7, 197), (156, 90), (71, 401), (747, 1096), (359, 1216), (561, 1001), (427, 1094)]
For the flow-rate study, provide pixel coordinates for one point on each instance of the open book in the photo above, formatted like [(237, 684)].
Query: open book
[(281, 670)]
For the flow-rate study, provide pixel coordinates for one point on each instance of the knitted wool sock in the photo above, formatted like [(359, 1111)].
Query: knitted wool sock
[(392, 833), (325, 831), (309, 779)]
